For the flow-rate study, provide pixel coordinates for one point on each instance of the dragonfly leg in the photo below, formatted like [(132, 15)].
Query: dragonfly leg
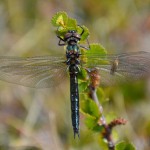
[(82, 30), (61, 40), (88, 47)]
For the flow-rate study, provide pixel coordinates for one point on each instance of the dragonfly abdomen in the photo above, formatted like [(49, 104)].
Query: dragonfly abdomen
[(74, 97)]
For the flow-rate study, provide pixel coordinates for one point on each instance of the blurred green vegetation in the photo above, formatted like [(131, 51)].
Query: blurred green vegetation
[(41, 118)]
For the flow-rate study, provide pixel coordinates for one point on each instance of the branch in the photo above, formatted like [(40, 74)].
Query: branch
[(107, 134)]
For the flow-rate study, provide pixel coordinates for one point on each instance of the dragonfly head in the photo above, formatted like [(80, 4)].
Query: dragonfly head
[(72, 36)]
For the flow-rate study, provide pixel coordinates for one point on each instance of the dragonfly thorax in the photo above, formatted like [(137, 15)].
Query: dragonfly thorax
[(72, 49)]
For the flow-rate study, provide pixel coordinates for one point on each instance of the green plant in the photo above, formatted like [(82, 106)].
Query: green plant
[(90, 92)]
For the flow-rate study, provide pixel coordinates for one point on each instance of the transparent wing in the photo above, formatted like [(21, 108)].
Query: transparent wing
[(134, 66), (131, 66), (37, 72)]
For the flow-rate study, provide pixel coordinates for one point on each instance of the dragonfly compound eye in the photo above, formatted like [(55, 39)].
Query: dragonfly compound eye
[(72, 34)]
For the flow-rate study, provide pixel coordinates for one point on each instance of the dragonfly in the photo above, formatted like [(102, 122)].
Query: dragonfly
[(47, 71)]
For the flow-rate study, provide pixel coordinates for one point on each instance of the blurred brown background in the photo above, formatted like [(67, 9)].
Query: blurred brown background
[(41, 118)]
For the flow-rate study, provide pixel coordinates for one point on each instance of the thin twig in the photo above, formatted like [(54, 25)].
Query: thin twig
[(107, 134)]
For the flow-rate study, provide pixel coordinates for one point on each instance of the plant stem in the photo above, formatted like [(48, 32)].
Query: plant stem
[(107, 132)]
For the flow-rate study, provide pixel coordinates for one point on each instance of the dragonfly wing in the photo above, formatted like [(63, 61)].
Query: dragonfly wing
[(129, 67), (134, 66), (107, 79), (36, 72)]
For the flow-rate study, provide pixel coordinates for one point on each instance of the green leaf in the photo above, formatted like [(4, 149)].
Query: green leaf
[(96, 55), (100, 94), (91, 121), (65, 23), (71, 24), (82, 74), (98, 128), (124, 146), (96, 48), (85, 33), (60, 19), (89, 107), (83, 86), (83, 96)]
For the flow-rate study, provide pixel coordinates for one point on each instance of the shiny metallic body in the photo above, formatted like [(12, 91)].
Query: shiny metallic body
[(71, 39)]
